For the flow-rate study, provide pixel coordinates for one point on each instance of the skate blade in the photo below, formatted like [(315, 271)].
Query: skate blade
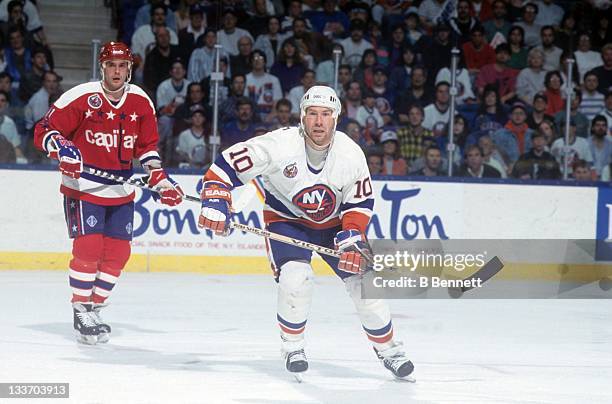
[(406, 379), (103, 338), (299, 377), (86, 339)]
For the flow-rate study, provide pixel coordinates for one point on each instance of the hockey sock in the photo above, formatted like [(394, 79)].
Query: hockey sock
[(116, 255), (86, 252), (294, 298), (374, 315)]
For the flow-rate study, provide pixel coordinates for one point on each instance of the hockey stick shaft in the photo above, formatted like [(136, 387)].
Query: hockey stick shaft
[(137, 182)]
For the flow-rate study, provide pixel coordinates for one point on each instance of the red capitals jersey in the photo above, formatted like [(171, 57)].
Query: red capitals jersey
[(108, 136)]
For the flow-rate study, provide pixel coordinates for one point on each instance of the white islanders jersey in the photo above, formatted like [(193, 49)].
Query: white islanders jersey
[(340, 193)]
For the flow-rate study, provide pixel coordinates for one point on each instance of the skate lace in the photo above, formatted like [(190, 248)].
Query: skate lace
[(295, 356), (97, 318), (394, 356), (86, 319)]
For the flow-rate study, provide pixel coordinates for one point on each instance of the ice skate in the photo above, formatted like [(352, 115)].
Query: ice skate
[(296, 363), (87, 330), (104, 329), (395, 360)]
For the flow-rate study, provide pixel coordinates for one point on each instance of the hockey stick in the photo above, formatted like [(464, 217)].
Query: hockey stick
[(140, 183)]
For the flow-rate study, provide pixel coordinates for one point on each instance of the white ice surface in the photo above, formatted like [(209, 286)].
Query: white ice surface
[(214, 339)]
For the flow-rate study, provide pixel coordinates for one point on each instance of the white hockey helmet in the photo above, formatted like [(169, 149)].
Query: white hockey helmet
[(320, 96)]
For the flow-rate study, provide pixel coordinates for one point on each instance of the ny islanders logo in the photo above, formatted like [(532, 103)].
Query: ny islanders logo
[(94, 101), (317, 201)]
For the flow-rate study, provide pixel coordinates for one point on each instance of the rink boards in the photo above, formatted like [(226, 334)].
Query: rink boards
[(168, 240)]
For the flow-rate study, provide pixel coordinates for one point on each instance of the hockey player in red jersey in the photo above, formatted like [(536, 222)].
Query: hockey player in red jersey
[(102, 125)]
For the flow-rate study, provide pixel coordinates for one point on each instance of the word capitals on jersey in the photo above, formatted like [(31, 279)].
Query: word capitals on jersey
[(110, 140)]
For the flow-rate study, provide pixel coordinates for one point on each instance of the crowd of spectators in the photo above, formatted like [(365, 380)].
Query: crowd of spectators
[(394, 79)]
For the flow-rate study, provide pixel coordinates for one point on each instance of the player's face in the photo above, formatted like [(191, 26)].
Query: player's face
[(115, 73), (319, 124)]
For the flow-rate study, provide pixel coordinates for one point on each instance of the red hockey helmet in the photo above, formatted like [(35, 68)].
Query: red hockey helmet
[(115, 50)]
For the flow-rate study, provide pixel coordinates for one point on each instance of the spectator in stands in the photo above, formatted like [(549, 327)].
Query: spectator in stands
[(355, 45), (607, 110), (241, 63), (312, 41), (592, 100), (143, 16), (9, 130), (355, 132), (282, 115), (549, 130), (600, 144), (271, 41), (191, 145), (482, 9), (530, 80), (171, 94), (553, 83), (465, 94), (32, 80), (578, 148), (438, 54), (364, 73), (144, 38), (188, 36), (491, 156), (566, 38), (438, 111), (224, 85), (242, 128), (329, 22), (202, 60), (602, 32), (230, 34), (345, 76), (18, 58), (289, 66), (375, 163), (563, 65), (7, 151), (412, 136), (325, 71), (16, 19), (498, 24), (581, 171), (529, 25), (552, 54), (24, 14), (399, 81), (396, 47), (385, 97), (393, 163), (353, 99), (294, 11), (499, 75), (419, 94), (537, 163), (549, 13), (257, 18), (586, 59), (477, 52), (195, 100), (582, 123), (604, 72), (433, 163), (433, 11), (518, 50), (262, 88), (513, 138), (296, 93), (229, 107), (491, 114), (181, 14), (539, 111), (159, 60), (414, 34), (369, 117), (474, 166), (463, 23)]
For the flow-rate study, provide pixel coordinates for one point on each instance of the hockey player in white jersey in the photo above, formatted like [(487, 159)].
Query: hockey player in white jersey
[(317, 189)]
